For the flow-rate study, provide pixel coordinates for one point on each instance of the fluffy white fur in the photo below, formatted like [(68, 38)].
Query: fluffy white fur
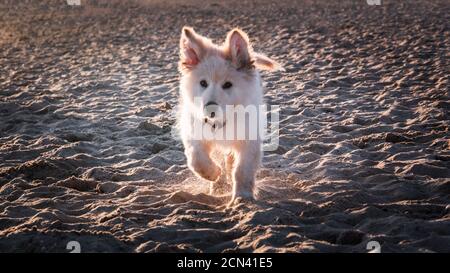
[(235, 62)]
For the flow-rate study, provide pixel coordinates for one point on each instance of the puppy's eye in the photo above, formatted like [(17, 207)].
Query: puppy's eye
[(227, 85), (203, 84)]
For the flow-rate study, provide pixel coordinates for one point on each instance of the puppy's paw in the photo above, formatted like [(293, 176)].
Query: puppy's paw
[(241, 199), (213, 173), (206, 170)]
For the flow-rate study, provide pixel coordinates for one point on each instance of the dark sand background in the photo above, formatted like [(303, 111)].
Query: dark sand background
[(86, 105)]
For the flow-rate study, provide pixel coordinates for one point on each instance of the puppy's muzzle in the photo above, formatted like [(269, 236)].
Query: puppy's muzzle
[(213, 115), (210, 109)]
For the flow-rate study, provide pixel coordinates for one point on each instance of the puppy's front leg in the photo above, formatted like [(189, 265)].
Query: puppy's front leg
[(199, 161), (248, 158)]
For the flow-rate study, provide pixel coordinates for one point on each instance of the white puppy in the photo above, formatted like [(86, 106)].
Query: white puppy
[(213, 78)]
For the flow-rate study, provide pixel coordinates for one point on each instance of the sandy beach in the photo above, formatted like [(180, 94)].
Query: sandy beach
[(87, 104)]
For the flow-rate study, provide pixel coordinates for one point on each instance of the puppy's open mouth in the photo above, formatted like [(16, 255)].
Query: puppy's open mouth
[(215, 124)]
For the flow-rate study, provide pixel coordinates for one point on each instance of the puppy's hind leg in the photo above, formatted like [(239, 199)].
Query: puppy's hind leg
[(223, 185)]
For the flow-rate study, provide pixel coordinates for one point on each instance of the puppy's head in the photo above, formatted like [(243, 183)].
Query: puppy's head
[(222, 75)]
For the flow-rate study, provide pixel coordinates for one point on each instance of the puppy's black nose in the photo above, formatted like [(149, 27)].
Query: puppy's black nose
[(210, 106)]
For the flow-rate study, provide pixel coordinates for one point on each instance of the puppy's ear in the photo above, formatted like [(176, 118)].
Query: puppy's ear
[(192, 49), (265, 63), (238, 49)]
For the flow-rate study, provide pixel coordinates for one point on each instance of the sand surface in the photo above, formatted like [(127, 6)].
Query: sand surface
[(86, 109)]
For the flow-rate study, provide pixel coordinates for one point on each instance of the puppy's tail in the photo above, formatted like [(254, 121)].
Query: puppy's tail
[(265, 63)]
